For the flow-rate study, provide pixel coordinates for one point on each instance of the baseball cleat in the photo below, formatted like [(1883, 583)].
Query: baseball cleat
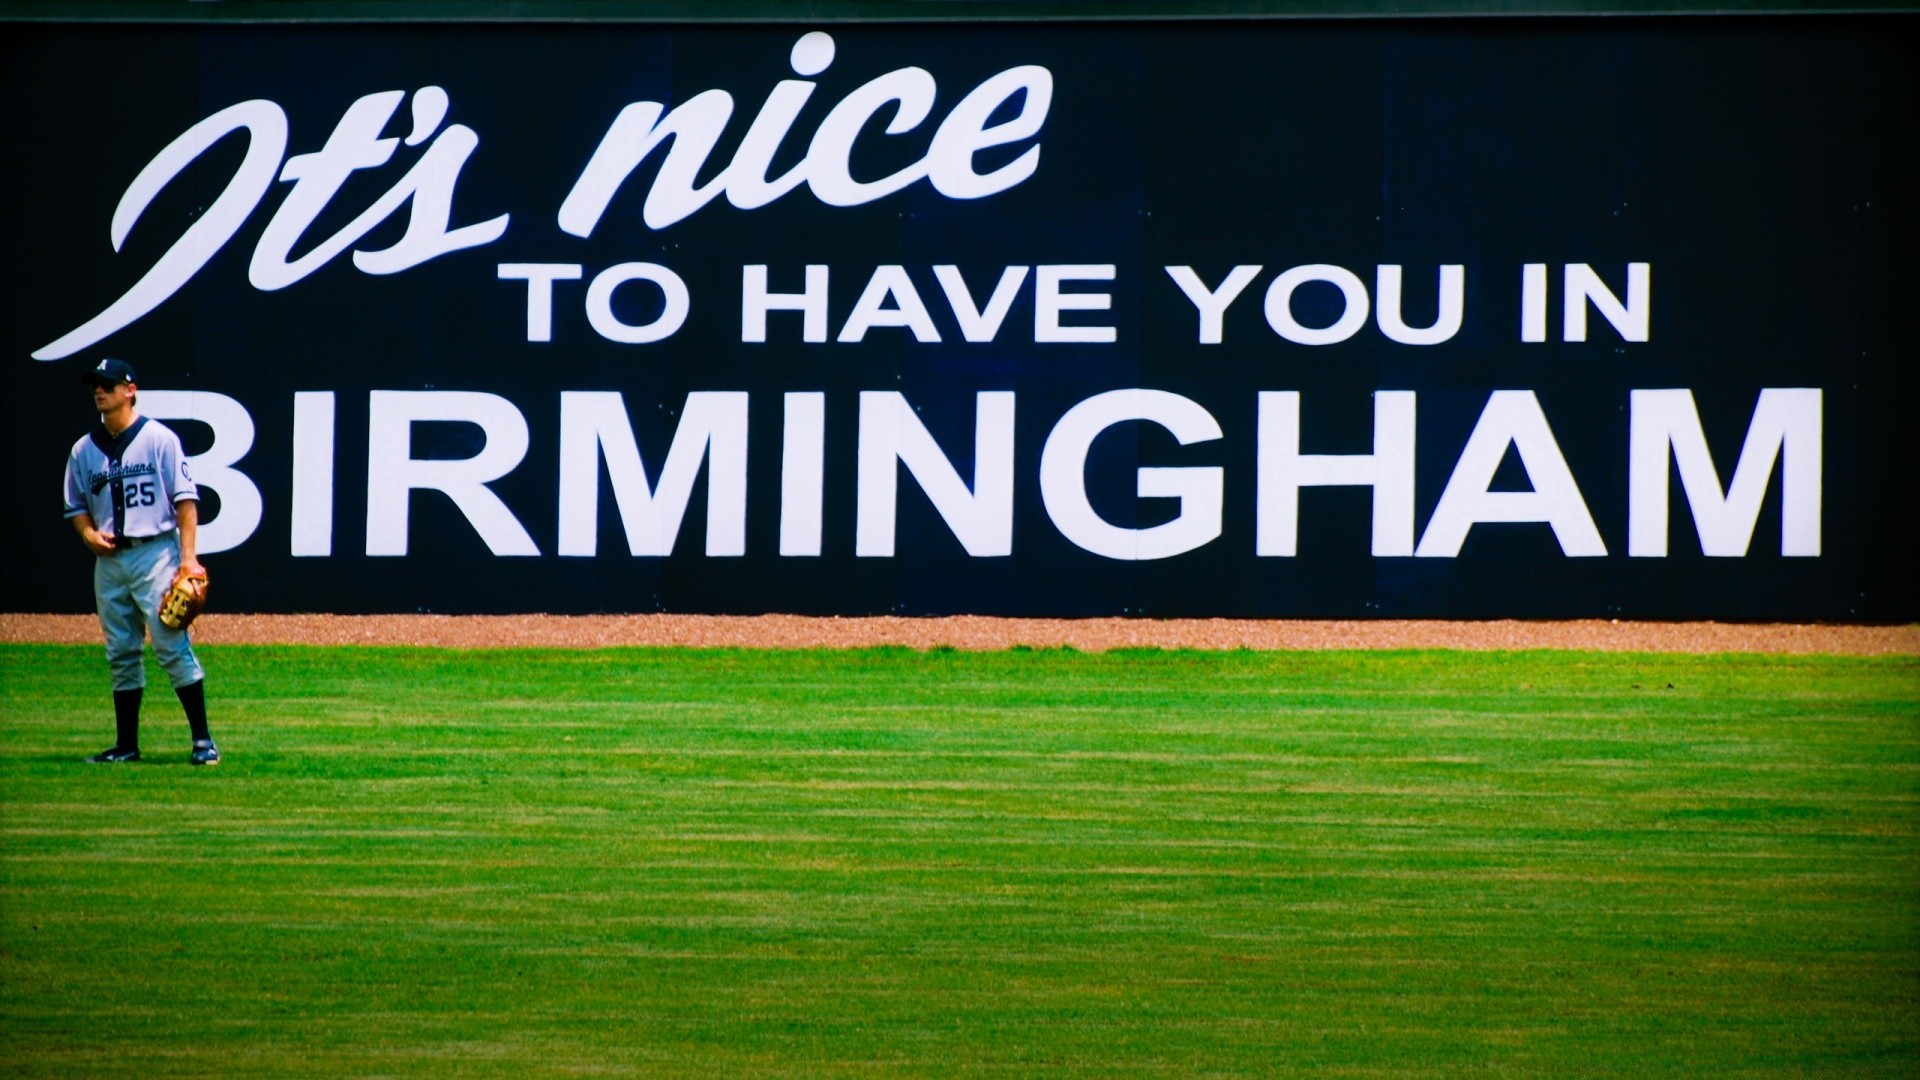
[(205, 753), (114, 755)]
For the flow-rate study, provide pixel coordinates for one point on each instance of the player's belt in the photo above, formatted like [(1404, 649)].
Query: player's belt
[(124, 543)]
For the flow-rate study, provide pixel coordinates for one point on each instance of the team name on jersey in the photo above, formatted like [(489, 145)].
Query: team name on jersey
[(120, 472)]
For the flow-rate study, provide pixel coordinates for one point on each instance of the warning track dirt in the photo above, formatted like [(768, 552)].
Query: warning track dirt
[(981, 632)]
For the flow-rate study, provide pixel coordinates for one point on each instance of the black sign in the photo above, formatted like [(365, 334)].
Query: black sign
[(1451, 318)]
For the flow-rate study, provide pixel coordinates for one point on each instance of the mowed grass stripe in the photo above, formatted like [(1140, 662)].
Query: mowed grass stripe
[(675, 862)]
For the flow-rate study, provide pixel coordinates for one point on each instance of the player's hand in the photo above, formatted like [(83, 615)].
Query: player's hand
[(100, 543), (192, 566)]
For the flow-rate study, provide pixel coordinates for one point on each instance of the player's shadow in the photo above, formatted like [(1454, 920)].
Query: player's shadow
[(147, 761)]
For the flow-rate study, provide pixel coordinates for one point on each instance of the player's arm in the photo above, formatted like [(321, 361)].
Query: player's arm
[(179, 485), (186, 512), (97, 542)]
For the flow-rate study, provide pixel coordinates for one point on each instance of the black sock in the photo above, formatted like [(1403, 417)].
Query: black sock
[(126, 719), (193, 698)]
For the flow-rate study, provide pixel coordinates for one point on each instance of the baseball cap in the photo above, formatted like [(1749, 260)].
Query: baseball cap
[(110, 372)]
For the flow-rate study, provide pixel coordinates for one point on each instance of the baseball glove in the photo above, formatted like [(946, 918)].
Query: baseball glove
[(185, 599)]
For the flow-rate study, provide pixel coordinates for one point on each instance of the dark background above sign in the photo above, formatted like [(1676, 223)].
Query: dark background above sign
[(813, 11)]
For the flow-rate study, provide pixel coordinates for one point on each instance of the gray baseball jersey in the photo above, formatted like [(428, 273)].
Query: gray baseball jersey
[(130, 481)]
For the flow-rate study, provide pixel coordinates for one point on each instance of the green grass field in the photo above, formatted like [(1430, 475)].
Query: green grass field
[(875, 863)]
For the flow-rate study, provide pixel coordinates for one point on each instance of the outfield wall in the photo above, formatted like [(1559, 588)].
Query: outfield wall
[(1454, 318)]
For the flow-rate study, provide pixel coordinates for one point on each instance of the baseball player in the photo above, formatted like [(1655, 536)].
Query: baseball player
[(135, 507)]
